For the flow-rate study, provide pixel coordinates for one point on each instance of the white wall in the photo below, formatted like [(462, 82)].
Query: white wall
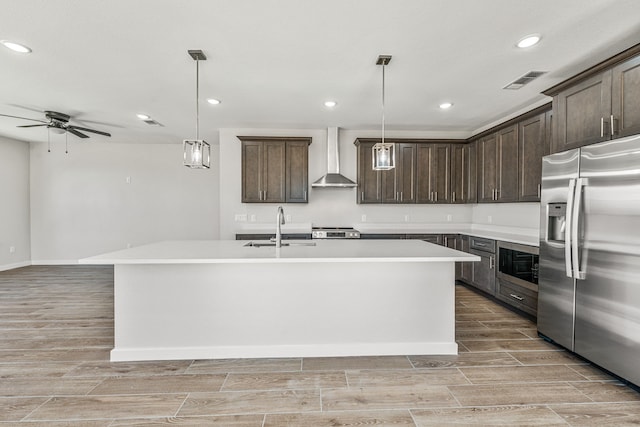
[(338, 207), (82, 205), (14, 204)]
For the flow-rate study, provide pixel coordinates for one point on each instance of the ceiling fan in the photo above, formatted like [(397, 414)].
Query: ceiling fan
[(59, 122)]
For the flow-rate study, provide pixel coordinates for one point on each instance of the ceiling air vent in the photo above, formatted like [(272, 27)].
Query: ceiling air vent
[(527, 78)]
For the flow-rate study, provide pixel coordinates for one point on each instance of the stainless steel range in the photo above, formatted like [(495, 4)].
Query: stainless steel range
[(334, 233)]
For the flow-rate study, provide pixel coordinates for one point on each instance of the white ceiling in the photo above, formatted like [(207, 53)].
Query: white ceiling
[(274, 62)]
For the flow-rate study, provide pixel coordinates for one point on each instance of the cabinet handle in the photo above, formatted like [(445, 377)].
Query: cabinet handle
[(436, 199), (265, 195), (497, 194), (397, 196), (401, 196), (601, 127), (362, 196), (614, 125), (491, 263), (519, 298), (305, 194), (539, 190)]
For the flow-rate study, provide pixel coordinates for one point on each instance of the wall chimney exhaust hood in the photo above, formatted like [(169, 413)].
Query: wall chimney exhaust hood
[(333, 178)]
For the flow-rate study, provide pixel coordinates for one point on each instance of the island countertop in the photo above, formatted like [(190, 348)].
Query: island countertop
[(234, 251)]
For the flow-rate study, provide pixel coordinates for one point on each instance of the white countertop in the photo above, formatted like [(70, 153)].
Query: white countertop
[(234, 251)]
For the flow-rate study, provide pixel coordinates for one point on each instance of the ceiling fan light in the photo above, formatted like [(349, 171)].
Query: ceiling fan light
[(143, 116), (16, 47), (214, 101), (57, 130), (330, 104)]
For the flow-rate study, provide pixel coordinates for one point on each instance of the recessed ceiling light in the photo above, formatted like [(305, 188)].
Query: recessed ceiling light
[(330, 104), (528, 41), (143, 116), (446, 105), (16, 47), (213, 101)]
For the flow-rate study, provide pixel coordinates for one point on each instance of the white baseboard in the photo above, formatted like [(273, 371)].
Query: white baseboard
[(14, 265), (272, 351), (54, 262)]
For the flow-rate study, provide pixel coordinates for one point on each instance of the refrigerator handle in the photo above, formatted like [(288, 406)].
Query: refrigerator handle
[(575, 253), (567, 232)]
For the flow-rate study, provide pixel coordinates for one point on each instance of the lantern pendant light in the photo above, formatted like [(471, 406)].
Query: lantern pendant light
[(384, 154), (197, 152)]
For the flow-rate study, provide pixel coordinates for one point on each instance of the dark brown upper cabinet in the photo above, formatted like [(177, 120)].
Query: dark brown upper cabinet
[(498, 166), (389, 186), (422, 173), (274, 169), (599, 104), (433, 173), (533, 144), (463, 173)]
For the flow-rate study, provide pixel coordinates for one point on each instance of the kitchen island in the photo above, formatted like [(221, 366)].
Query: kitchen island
[(223, 299)]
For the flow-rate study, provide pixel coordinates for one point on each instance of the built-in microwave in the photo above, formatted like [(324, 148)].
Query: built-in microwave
[(518, 263)]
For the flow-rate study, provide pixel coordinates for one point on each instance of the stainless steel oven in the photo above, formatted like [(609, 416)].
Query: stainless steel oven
[(518, 263)]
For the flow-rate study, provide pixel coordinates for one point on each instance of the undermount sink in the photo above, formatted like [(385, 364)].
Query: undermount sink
[(273, 244)]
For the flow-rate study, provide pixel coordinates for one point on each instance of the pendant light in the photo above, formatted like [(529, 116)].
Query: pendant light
[(384, 154), (197, 152)]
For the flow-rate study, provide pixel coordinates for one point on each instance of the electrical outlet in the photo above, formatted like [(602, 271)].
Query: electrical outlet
[(12, 249), (489, 219), (364, 218), (128, 245), (449, 217), (128, 180), (287, 218), (241, 218), (406, 218), (253, 218)]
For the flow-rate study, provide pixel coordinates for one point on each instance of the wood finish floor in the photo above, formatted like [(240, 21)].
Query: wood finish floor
[(56, 330)]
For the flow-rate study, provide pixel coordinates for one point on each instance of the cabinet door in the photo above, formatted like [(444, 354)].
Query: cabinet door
[(251, 172), (405, 173), (463, 173), (424, 189), (487, 152), (507, 188), (467, 267), (582, 113), (483, 272), (369, 181), (440, 173), (531, 149), (297, 162), (625, 98), (273, 176)]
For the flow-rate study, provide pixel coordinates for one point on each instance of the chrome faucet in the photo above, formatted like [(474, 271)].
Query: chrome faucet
[(279, 224)]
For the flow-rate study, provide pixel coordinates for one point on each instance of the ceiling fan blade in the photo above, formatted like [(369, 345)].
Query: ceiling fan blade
[(31, 126), (76, 133), (23, 118), (99, 132)]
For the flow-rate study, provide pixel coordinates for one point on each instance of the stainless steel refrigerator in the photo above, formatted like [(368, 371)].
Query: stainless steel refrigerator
[(589, 278)]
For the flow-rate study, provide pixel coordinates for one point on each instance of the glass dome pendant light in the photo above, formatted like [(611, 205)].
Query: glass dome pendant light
[(383, 153), (197, 152)]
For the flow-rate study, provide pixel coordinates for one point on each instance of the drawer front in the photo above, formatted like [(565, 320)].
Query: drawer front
[(518, 296), (482, 244)]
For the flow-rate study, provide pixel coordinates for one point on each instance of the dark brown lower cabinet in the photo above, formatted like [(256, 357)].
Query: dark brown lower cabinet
[(522, 297)]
